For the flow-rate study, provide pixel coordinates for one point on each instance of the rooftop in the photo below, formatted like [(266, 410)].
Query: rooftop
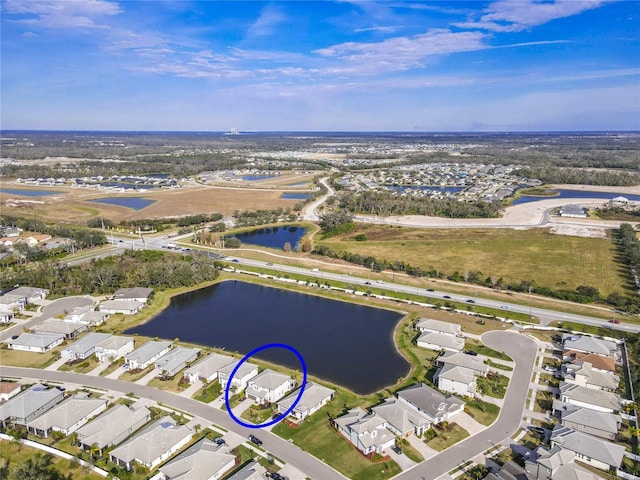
[(202, 460), (438, 326), (588, 445)]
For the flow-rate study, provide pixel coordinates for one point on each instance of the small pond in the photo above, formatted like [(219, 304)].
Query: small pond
[(255, 178), (29, 193), (295, 196), (137, 203), (272, 237)]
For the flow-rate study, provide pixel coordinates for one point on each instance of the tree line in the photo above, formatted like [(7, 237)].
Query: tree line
[(134, 268), (82, 237), (548, 174), (158, 224)]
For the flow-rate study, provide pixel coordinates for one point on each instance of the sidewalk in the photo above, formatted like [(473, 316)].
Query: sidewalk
[(423, 448), (116, 373), (101, 366), (189, 392)]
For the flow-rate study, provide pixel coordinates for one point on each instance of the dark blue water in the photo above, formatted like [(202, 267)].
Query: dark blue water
[(137, 203), (30, 193), (295, 196), (430, 188), (351, 345), (272, 237), (255, 178), (576, 194), (127, 186)]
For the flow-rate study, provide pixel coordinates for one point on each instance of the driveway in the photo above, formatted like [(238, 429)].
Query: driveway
[(401, 459)]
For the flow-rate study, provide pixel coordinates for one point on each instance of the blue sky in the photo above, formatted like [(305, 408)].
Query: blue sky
[(311, 66)]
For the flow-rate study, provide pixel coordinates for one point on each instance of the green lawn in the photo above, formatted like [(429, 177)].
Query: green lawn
[(176, 384), (493, 385), (134, 375), (26, 359), (112, 367), (208, 393), (447, 438), (82, 366), (473, 344), (499, 366), (551, 260), (256, 415), (482, 412)]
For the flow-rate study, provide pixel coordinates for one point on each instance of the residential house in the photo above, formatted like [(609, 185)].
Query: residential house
[(204, 460), (177, 359), (125, 307), (67, 416), (68, 329), (573, 211), (457, 380), (588, 449), (95, 318), (599, 400), (36, 342), (439, 341), (112, 427), (9, 390), (580, 419), (207, 369), (251, 471), (85, 347), (31, 294), (113, 348), (463, 360), (269, 386), (13, 302), (582, 373), (313, 398), (241, 378), (76, 314), (32, 402), (153, 445), (6, 314), (35, 239), (428, 325), (401, 419), (366, 431), (586, 344), (435, 406), (598, 362), (135, 294), (556, 463), (146, 355)]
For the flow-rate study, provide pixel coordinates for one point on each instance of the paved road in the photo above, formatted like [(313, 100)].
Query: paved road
[(289, 453), (309, 212), (523, 351)]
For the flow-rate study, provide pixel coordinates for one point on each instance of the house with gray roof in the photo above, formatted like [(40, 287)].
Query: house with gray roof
[(31, 294), (456, 379), (12, 301), (204, 460), (587, 344), (401, 419), (432, 404), (176, 359), (583, 374), (556, 463), (207, 369), (437, 326), (600, 424), (27, 405), (463, 360), (113, 426), (84, 347), (599, 400), (241, 378), (573, 211), (438, 341), (146, 355), (269, 386), (68, 416), (313, 398), (366, 431), (591, 450), (68, 329), (113, 348), (126, 307), (36, 342), (135, 294), (153, 445), (251, 471)]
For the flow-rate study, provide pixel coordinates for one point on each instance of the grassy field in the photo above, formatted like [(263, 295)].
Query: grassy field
[(515, 255), (209, 392), (26, 359), (83, 366), (483, 412), (447, 438), (17, 454)]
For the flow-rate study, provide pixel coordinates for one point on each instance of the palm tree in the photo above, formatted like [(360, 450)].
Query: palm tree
[(94, 451)]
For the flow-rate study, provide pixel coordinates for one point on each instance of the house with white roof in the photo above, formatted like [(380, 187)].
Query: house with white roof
[(457, 380), (112, 427), (6, 314), (269, 386), (583, 374), (32, 402), (599, 400), (313, 398), (438, 341), (113, 348), (251, 471), (153, 445), (586, 344), (13, 302), (591, 450), (366, 431), (204, 460), (207, 369), (135, 294), (401, 419), (176, 359), (86, 315), (67, 416), (435, 406), (463, 360), (241, 378), (146, 355), (36, 342), (84, 347), (436, 326), (69, 330), (125, 307)]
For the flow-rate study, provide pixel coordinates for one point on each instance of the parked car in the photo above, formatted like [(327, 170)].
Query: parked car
[(430, 290), (614, 320), (367, 283), (396, 449), (219, 441), (471, 301), (276, 416), (538, 430), (255, 440), (446, 297), (471, 352), (269, 264)]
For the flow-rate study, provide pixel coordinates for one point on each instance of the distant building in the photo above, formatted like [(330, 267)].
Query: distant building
[(241, 378), (573, 211), (126, 307), (135, 294), (113, 348), (68, 329)]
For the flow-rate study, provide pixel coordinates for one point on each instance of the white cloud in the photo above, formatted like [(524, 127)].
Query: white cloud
[(381, 29), (60, 15), (270, 17), (517, 15)]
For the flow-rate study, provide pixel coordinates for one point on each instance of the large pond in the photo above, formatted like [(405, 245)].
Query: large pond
[(295, 196), (137, 203), (575, 194), (272, 237), (351, 345), (256, 178), (29, 193)]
